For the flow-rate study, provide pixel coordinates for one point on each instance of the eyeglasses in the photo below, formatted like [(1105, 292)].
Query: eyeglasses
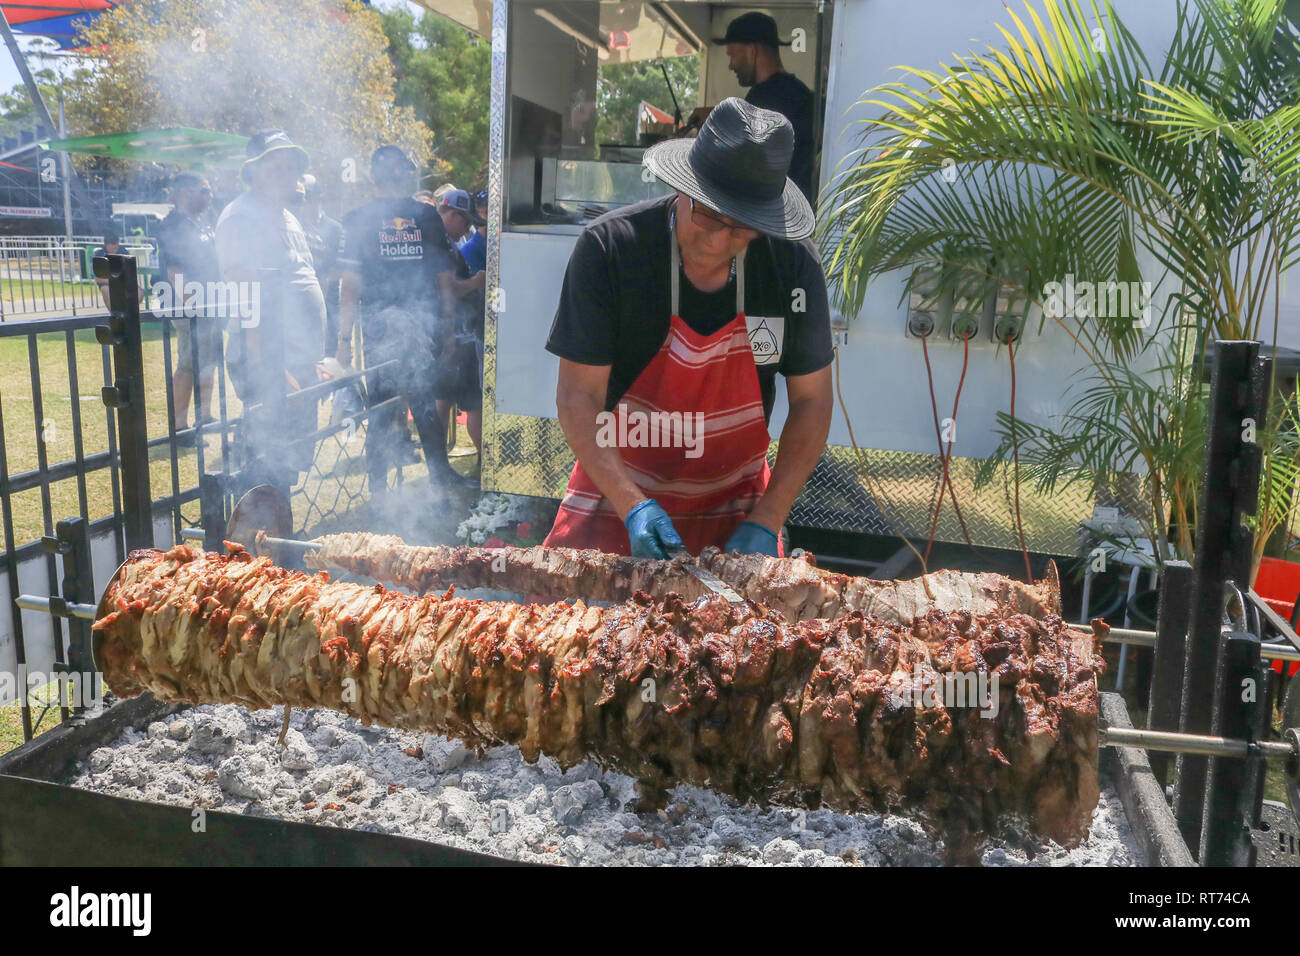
[(710, 221)]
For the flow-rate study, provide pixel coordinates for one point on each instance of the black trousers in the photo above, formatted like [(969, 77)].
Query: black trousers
[(411, 383), (274, 433)]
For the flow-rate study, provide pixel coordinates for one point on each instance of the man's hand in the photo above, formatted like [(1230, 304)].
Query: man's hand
[(752, 538), (651, 531), (579, 399)]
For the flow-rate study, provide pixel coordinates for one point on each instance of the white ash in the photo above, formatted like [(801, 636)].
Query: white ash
[(493, 512), (337, 772)]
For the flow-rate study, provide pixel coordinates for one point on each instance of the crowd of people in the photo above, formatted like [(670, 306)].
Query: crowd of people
[(406, 270)]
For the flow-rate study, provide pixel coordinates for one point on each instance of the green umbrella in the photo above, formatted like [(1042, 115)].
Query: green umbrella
[(178, 145)]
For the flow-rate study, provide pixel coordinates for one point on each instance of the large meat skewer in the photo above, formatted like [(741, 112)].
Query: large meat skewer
[(793, 586), (817, 712)]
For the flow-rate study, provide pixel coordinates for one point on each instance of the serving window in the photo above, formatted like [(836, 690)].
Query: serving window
[(590, 85)]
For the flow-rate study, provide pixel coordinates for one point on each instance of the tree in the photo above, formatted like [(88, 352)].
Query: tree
[(622, 86), (16, 109), (316, 68), (444, 74)]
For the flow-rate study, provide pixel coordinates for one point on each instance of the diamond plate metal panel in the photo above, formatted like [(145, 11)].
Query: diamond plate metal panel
[(885, 492), (846, 492), (490, 459)]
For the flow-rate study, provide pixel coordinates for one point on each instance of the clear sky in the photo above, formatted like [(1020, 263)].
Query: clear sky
[(9, 76)]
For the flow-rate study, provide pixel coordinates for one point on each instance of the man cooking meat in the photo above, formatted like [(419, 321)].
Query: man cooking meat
[(682, 310)]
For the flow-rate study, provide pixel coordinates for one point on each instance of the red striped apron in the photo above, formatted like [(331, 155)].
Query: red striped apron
[(707, 489)]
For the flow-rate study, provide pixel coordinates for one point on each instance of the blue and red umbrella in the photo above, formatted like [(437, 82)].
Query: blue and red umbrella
[(56, 19)]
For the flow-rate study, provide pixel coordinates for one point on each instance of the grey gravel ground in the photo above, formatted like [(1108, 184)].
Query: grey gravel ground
[(336, 772)]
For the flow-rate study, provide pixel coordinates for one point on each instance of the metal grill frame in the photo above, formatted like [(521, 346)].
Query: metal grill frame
[(130, 524)]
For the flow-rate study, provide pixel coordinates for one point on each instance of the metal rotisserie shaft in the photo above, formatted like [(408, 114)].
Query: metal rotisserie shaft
[(832, 713)]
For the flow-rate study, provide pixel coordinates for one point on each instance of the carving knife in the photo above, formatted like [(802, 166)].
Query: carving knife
[(710, 580)]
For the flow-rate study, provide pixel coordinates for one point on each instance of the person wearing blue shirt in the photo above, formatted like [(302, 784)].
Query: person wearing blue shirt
[(474, 248)]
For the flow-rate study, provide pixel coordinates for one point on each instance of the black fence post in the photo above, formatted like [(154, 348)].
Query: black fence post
[(126, 395), (73, 536), (212, 510), (1234, 786), (1171, 646), (1229, 489)]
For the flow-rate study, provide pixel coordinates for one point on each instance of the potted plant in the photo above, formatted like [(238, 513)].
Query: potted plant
[(1065, 153)]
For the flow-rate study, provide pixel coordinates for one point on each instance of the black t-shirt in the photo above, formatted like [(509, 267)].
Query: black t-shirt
[(187, 247), (398, 246), (786, 94), (615, 303)]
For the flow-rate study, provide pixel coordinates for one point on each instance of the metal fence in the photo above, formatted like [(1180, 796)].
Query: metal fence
[(89, 445), (49, 276)]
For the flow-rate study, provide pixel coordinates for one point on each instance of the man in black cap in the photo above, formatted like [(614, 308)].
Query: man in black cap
[(397, 281), (754, 49), (675, 317), (272, 352)]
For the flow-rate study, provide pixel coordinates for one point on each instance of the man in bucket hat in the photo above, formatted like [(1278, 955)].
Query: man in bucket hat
[(675, 317), (272, 351)]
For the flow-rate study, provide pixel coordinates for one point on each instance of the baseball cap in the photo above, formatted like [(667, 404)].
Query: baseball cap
[(390, 162), (752, 28), (459, 200)]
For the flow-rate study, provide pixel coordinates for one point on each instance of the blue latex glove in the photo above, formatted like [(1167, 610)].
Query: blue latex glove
[(752, 538), (652, 531)]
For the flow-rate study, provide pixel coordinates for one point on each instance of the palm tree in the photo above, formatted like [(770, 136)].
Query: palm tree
[(1064, 153)]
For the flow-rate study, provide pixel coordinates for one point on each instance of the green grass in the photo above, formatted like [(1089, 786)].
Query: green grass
[(24, 296), (24, 434), (11, 721)]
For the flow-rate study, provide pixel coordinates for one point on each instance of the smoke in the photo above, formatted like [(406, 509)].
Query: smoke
[(317, 69)]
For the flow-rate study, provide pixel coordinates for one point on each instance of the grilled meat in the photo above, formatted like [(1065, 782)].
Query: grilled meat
[(795, 587), (821, 712)]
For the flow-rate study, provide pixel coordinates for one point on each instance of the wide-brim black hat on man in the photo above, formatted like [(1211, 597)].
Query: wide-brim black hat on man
[(263, 144), (738, 165), (753, 28)]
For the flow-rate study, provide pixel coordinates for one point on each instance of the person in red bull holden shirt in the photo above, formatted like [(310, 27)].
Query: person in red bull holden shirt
[(397, 272)]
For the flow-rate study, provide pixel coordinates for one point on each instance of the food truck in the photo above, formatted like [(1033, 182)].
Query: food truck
[(553, 167)]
